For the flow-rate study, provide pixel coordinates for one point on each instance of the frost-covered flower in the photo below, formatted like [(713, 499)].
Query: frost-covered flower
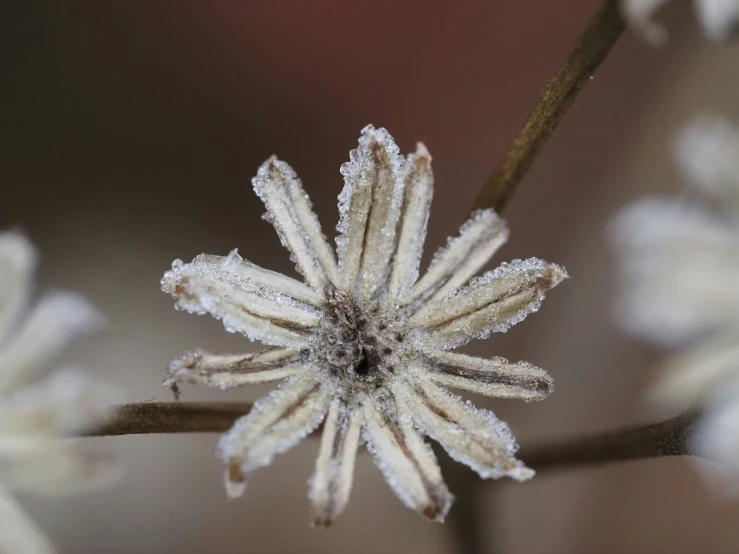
[(364, 346), (718, 17), (37, 413), (680, 262)]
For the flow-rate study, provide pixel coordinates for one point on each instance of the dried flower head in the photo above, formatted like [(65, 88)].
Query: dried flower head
[(37, 415), (680, 265), (719, 18), (364, 345)]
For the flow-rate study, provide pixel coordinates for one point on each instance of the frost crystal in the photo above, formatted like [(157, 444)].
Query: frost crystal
[(718, 17), (363, 346), (680, 268), (36, 415)]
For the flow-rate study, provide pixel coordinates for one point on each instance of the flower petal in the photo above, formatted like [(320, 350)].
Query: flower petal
[(18, 533), (407, 462), (258, 311), (678, 270), (275, 424), (495, 377), (471, 436), (332, 482), (291, 213), (57, 319), (718, 17), (69, 401), (419, 189), (226, 371), (490, 303), (369, 206), (639, 14), (17, 262), (463, 256)]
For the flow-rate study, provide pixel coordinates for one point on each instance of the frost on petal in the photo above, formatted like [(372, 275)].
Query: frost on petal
[(414, 215), (291, 212), (17, 262), (18, 533), (495, 377), (471, 436), (406, 461), (718, 17), (463, 256), (678, 270), (369, 207), (255, 310), (225, 371), (57, 319), (690, 379), (331, 484), (492, 302), (275, 424), (707, 150), (640, 13), (69, 401)]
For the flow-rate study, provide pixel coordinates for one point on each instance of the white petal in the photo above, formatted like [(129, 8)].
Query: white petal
[(275, 424), (639, 14), (419, 189), (67, 402), (290, 211), (245, 306), (491, 303), (18, 533), (408, 464), (707, 149), (17, 262), (471, 436), (679, 270), (54, 323), (719, 17), (692, 378), (463, 256), (369, 206), (331, 484), (226, 371), (495, 377)]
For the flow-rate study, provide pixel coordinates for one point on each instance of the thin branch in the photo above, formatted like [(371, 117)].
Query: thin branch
[(590, 50), (667, 438)]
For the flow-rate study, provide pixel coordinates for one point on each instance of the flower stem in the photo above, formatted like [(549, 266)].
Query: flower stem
[(590, 50), (667, 438)]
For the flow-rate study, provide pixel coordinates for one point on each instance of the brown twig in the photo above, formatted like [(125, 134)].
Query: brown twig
[(667, 438), (590, 50)]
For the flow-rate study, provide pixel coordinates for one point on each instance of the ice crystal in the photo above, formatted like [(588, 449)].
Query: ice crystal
[(37, 414), (363, 346), (719, 18), (680, 269)]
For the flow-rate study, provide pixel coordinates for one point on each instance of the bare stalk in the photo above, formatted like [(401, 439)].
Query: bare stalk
[(590, 50)]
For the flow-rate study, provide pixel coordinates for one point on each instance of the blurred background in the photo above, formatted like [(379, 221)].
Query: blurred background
[(128, 135)]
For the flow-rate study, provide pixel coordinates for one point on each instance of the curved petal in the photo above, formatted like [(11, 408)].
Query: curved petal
[(496, 377), (18, 533), (255, 309), (491, 303), (407, 462), (462, 257), (275, 424), (369, 207), (57, 319), (471, 436), (17, 262), (291, 213), (332, 482)]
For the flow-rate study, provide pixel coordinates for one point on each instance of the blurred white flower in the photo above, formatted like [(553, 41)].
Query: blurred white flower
[(38, 412), (364, 345), (680, 284), (718, 17)]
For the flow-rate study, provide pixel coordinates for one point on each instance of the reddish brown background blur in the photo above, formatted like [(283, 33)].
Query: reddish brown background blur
[(128, 135)]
